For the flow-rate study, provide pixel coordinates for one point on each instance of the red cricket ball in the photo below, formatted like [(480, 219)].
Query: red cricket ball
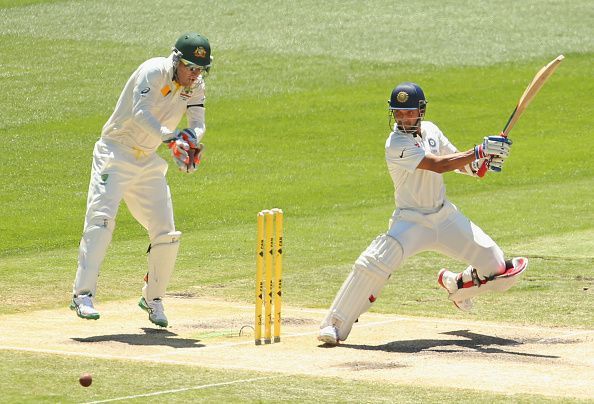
[(85, 379)]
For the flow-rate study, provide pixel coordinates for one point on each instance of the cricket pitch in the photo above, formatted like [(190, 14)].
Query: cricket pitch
[(502, 358)]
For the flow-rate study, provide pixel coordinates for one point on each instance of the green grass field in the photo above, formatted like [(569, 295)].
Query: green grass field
[(185, 385), (297, 119)]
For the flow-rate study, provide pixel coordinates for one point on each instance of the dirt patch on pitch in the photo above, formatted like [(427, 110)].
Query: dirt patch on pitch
[(555, 362), (358, 366)]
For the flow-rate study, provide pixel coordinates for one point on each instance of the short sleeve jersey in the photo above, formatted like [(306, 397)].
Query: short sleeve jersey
[(417, 189)]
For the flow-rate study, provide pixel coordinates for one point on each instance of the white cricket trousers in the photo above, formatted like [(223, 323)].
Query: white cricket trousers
[(449, 232), (120, 172)]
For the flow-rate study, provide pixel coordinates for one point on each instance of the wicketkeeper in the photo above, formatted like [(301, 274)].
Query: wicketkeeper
[(126, 166), (417, 153)]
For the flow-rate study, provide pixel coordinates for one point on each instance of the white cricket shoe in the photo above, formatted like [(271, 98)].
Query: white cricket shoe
[(329, 335), (83, 305), (155, 311), (449, 281)]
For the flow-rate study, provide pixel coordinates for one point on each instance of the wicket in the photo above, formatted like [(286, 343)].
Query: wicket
[(269, 249)]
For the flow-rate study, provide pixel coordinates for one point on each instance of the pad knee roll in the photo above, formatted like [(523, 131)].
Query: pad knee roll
[(383, 256), (161, 261), (370, 273)]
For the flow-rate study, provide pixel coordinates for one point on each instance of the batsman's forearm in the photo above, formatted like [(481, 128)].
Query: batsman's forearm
[(457, 161), (450, 162), (470, 169)]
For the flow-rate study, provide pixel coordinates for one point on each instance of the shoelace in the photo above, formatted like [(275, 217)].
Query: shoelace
[(85, 300)]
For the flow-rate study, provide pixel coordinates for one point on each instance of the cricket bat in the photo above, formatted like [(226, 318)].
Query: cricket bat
[(537, 82)]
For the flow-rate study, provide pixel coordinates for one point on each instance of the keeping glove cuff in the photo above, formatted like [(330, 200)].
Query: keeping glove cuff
[(167, 136)]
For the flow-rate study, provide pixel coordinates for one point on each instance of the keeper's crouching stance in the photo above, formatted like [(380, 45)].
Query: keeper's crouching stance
[(417, 153), (126, 167)]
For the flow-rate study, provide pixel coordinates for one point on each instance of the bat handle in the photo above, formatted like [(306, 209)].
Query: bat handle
[(483, 168)]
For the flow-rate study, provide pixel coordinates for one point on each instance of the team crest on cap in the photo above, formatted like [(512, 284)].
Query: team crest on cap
[(402, 96), (200, 52)]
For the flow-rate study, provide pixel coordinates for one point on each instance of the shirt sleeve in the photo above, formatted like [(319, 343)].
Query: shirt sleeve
[(403, 153), (145, 100), (196, 111), (446, 147)]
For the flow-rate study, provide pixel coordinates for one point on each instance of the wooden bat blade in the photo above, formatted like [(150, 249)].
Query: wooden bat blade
[(533, 88), (535, 85)]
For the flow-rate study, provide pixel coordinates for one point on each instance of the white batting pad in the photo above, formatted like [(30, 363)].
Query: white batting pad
[(364, 284), (161, 261)]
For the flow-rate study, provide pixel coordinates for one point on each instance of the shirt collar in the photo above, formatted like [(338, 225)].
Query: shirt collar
[(413, 135)]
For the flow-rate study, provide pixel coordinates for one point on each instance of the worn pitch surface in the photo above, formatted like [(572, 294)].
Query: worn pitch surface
[(415, 351)]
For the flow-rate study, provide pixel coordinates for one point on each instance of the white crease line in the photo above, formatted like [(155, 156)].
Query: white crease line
[(470, 323), (232, 344), (364, 325), (432, 320), (573, 334), (204, 386), (428, 320), (187, 351)]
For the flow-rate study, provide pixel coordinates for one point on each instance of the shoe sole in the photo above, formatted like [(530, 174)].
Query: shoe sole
[(328, 339), (143, 306), (87, 317)]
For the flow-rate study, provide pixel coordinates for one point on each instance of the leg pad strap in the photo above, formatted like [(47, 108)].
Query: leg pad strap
[(161, 261)]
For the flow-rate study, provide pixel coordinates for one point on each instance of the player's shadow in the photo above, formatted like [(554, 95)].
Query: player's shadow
[(151, 336), (477, 342)]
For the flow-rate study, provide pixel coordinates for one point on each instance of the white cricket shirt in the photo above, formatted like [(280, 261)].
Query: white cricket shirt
[(152, 105), (421, 190)]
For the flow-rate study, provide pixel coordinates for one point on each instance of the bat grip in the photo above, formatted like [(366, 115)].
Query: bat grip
[(483, 168)]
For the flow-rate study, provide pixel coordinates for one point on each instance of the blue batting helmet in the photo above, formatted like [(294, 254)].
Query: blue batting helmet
[(408, 95)]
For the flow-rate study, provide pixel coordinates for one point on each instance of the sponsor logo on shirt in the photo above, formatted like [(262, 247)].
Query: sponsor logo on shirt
[(186, 93)]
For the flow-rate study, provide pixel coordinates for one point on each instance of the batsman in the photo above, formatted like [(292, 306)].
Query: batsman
[(126, 167), (417, 154)]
